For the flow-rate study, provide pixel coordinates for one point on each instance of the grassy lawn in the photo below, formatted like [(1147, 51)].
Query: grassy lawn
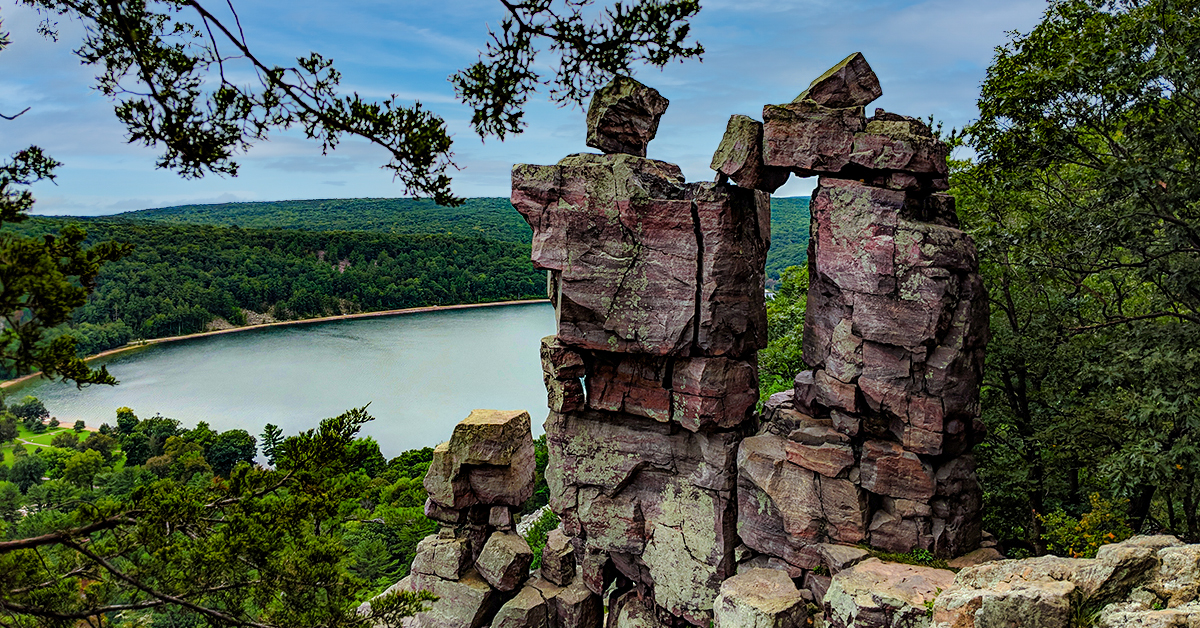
[(39, 440)]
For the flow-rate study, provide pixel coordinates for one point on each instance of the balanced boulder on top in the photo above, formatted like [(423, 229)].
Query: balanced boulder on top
[(623, 117)]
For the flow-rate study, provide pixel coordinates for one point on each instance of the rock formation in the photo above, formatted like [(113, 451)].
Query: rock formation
[(658, 287), (872, 445), (476, 564), (1147, 581), (665, 481)]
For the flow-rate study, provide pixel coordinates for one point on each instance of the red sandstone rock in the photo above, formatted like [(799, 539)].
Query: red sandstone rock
[(504, 561), (850, 83), (558, 558), (651, 497), (759, 598), (828, 459), (740, 158), (734, 226), (622, 238), (855, 235), (845, 509), (623, 116), (889, 470), (808, 138), (619, 233)]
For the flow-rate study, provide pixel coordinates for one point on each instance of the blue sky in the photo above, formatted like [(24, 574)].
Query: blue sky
[(930, 57)]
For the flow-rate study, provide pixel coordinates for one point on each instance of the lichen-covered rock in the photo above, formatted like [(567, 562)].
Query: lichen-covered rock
[(810, 139), (740, 156), (632, 609), (900, 144), (850, 83), (840, 557), (875, 594), (647, 501), (623, 116), (488, 460), (760, 598), (622, 237), (1138, 582), (558, 558), (504, 561), (576, 606), (464, 603), (528, 609), (446, 556)]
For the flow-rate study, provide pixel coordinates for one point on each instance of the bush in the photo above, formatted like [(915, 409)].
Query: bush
[(1080, 538), (80, 426), (65, 440), (536, 537)]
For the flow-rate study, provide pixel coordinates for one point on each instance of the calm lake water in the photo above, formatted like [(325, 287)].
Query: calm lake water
[(421, 373)]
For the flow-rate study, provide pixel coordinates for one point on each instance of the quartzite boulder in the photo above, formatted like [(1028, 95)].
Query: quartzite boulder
[(648, 501), (464, 603), (760, 598), (445, 556), (528, 609), (810, 139), (488, 460), (623, 116), (504, 561), (558, 558), (740, 156), (850, 83), (875, 594), (1133, 583)]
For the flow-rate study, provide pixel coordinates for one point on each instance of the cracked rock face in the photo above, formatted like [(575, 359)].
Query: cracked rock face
[(647, 501), (655, 466), (643, 263)]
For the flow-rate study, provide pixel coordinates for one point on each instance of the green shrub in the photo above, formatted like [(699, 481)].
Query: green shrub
[(536, 537), (1080, 538)]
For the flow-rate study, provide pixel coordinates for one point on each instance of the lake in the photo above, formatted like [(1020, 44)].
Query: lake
[(421, 373)]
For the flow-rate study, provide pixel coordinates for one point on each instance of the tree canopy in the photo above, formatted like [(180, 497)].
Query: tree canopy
[(1085, 204)]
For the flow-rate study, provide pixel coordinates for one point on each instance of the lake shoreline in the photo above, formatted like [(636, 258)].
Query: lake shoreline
[(306, 321)]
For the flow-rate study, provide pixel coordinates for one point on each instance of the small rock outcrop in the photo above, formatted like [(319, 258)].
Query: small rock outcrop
[(875, 594), (760, 598), (1149, 581), (476, 565), (623, 117)]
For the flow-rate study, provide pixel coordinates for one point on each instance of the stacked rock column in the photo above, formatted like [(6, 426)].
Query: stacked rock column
[(658, 288), (476, 564), (872, 445)]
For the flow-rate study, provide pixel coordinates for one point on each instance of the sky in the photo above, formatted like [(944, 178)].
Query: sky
[(930, 56)]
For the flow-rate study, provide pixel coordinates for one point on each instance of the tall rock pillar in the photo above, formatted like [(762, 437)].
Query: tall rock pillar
[(873, 444), (658, 286)]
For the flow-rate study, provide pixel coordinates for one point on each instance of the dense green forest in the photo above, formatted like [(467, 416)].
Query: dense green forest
[(180, 278), (789, 235), (361, 531), (490, 218)]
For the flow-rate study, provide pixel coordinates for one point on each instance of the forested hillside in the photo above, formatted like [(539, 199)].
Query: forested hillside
[(196, 265), (789, 235), (491, 218), (180, 278)]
